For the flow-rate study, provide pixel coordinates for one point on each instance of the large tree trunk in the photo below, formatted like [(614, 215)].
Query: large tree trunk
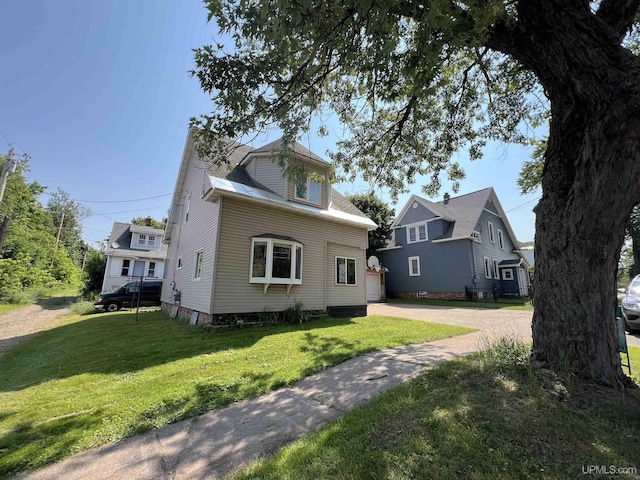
[(590, 184)]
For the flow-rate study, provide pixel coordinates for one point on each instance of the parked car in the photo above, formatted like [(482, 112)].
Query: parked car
[(127, 296), (631, 306)]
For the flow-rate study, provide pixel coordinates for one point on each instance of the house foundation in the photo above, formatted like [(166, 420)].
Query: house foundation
[(428, 294)]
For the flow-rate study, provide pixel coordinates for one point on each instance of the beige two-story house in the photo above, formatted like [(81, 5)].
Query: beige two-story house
[(245, 238)]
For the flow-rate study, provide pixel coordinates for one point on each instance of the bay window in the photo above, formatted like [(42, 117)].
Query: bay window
[(275, 260)]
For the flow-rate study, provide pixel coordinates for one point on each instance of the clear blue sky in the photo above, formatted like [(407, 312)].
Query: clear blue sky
[(97, 93)]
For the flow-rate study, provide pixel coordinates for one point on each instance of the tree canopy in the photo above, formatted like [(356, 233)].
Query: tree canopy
[(142, 221), (413, 83), (378, 211)]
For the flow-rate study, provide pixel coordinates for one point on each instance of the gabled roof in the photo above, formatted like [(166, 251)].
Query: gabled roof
[(119, 243), (437, 210), (298, 150), (466, 211)]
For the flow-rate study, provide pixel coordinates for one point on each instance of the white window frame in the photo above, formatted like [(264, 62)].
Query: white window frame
[(151, 240), (487, 267), (179, 263), (492, 233), (142, 239), (307, 197), (496, 270), (198, 264), (336, 276), (268, 277), (500, 239), (411, 272), (476, 236), (509, 272), (187, 208), (415, 227), (128, 267), (151, 272)]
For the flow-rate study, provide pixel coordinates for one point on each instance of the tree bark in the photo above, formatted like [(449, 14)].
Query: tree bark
[(590, 183)]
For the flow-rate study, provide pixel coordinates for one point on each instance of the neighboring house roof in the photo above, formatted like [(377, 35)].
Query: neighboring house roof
[(510, 263), (466, 211), (119, 243)]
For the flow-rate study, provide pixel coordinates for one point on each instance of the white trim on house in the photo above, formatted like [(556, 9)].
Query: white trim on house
[(487, 267), (187, 207), (416, 272), (179, 263), (492, 213), (197, 265), (416, 227), (295, 273), (308, 192), (337, 272), (509, 276), (492, 233), (496, 272), (500, 239)]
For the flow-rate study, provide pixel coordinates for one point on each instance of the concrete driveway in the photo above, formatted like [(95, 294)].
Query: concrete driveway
[(494, 323)]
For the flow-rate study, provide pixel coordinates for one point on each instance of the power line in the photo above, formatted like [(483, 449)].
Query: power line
[(5, 137), (524, 204), (120, 201), (129, 211)]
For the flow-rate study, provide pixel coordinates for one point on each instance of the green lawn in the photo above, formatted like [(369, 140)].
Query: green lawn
[(485, 416), (461, 304), (102, 377)]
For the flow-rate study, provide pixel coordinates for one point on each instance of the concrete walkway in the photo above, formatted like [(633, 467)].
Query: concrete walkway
[(215, 444)]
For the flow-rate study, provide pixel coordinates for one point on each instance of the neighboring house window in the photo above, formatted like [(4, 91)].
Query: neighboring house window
[(500, 239), (275, 261), (308, 190), (487, 267), (476, 237), (414, 266), (142, 239), (507, 274), (492, 235), (496, 274), (152, 269), (417, 233), (345, 271), (151, 240), (197, 271), (187, 207), (179, 264), (125, 267)]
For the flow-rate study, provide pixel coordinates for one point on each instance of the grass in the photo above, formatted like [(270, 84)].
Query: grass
[(486, 416), (462, 304), (102, 377)]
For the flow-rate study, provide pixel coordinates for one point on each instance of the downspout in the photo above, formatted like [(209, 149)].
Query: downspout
[(215, 255), (324, 290)]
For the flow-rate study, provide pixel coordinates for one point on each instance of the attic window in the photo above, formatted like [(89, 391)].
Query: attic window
[(275, 260), (417, 233), (308, 190)]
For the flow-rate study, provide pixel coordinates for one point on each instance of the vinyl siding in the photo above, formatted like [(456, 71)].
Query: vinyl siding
[(491, 250), (269, 174), (415, 215), (199, 232), (242, 220), (344, 295)]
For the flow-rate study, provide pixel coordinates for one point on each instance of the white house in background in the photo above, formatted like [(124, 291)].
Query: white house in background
[(527, 249), (133, 251)]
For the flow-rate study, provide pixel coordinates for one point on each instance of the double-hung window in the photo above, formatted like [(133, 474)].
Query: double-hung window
[(126, 264), (346, 271), (414, 266), (417, 233), (152, 269), (275, 260), (308, 190), (142, 239)]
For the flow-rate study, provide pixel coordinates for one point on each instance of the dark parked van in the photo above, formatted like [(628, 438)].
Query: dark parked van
[(127, 296)]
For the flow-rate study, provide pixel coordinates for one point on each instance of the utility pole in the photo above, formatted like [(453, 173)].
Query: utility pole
[(9, 167)]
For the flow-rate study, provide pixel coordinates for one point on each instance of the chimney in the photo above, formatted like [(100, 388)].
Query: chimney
[(446, 198), (147, 221)]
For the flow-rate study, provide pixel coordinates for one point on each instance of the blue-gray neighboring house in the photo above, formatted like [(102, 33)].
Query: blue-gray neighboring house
[(439, 248)]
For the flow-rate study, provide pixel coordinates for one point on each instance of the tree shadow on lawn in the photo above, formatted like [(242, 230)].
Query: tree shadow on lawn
[(469, 420), (116, 343)]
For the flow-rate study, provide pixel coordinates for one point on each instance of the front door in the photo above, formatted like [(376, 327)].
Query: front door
[(138, 268)]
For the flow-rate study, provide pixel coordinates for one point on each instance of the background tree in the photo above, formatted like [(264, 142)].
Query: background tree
[(414, 82), (142, 221), (74, 213), (378, 211), (93, 273)]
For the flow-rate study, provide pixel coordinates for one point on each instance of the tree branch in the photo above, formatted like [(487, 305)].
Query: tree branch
[(619, 15)]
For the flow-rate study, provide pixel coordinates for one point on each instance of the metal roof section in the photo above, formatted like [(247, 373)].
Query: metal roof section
[(221, 186)]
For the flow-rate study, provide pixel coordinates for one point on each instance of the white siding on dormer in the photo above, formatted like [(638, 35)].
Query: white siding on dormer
[(135, 244)]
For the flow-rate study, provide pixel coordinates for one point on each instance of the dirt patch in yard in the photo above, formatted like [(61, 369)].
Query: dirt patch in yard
[(18, 326)]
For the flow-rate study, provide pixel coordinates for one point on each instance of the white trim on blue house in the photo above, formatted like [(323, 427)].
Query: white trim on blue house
[(487, 267), (426, 204), (411, 269), (416, 226)]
